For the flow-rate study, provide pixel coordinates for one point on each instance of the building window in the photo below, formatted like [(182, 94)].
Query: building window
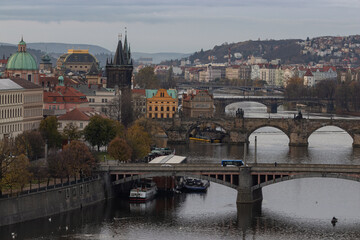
[(167, 109), (162, 108), (150, 108), (156, 108), (174, 109), (81, 125)]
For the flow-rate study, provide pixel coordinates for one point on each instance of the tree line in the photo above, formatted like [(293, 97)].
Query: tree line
[(343, 94), (69, 154)]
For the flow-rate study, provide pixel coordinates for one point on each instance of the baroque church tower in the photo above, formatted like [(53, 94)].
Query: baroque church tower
[(119, 74)]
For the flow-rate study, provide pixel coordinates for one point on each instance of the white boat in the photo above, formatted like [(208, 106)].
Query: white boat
[(143, 193)]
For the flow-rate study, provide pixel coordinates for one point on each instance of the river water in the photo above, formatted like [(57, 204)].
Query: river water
[(296, 209)]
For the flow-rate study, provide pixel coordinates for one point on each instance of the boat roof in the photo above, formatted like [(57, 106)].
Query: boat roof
[(169, 159)]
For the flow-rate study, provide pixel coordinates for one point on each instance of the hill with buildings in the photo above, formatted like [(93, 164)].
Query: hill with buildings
[(327, 49)]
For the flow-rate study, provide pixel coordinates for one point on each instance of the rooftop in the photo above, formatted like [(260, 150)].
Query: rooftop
[(8, 84)]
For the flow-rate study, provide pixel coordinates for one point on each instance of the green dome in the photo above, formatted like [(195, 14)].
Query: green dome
[(21, 61)]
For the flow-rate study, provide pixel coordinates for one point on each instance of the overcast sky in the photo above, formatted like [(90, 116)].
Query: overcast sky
[(174, 25)]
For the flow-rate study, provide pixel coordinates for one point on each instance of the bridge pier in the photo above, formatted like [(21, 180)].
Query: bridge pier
[(236, 136), (356, 140), (245, 194), (298, 139), (246, 213), (272, 108)]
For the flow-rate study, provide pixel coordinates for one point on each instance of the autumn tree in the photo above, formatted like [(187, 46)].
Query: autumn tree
[(342, 96), (57, 165), (119, 149), (80, 157), (6, 151), (18, 173), (100, 131), (39, 171), (139, 140), (151, 126), (74, 157), (31, 144), (147, 79), (295, 88), (49, 131), (326, 89)]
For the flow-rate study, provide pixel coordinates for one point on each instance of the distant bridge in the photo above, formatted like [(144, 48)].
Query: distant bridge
[(212, 87), (238, 130), (248, 181), (271, 102)]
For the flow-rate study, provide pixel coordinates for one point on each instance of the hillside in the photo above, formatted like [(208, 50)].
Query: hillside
[(326, 49), (286, 50)]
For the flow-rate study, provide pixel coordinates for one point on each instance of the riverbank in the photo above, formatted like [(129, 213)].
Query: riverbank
[(51, 201)]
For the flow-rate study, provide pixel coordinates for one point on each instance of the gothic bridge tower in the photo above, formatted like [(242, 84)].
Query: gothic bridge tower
[(119, 73)]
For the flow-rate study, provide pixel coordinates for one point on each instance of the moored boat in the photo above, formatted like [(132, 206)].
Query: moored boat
[(143, 193), (194, 185)]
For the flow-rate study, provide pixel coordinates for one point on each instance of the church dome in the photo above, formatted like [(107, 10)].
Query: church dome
[(21, 60)]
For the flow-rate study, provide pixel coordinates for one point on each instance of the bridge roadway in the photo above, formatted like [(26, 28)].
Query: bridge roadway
[(247, 180)]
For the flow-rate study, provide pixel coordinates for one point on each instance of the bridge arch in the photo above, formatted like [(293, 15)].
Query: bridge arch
[(231, 108), (208, 177), (339, 126), (205, 124), (252, 130), (279, 179)]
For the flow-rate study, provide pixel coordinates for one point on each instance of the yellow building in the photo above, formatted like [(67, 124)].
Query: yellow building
[(161, 103)]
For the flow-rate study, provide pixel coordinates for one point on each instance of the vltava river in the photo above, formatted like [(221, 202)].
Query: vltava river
[(296, 209)]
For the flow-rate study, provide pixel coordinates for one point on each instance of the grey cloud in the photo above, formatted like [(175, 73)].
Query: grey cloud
[(142, 10)]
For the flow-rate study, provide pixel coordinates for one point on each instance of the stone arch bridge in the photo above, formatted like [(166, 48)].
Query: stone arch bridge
[(247, 180), (238, 130), (271, 102)]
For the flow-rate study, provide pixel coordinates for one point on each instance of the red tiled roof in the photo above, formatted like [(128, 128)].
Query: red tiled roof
[(75, 115), (65, 94), (53, 97), (139, 91), (80, 114), (308, 73)]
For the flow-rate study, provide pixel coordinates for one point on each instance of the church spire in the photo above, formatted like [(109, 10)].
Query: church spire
[(119, 55)]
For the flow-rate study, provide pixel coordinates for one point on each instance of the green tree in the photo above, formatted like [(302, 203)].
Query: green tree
[(71, 132), (139, 140), (147, 79), (120, 150), (49, 131), (18, 173), (100, 131)]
